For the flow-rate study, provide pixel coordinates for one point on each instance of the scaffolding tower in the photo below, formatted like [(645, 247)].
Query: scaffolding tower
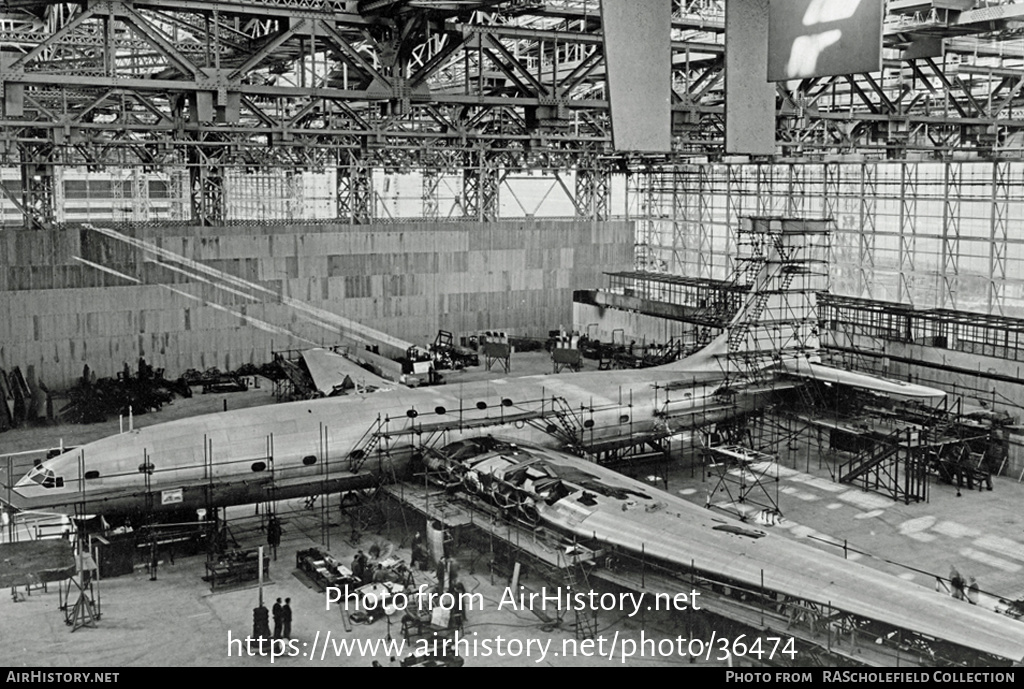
[(785, 260)]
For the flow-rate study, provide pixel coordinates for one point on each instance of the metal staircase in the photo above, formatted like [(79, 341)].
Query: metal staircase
[(871, 457), (895, 466), (367, 443), (570, 426), (722, 311), (739, 330)]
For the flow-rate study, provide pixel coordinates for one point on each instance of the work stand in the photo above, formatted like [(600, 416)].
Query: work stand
[(84, 612), (498, 353), (744, 475)]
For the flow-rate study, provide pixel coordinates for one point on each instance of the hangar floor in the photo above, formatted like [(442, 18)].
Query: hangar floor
[(176, 620)]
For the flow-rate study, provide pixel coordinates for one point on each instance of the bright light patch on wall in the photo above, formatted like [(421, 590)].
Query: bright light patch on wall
[(803, 58), (823, 11), (813, 38)]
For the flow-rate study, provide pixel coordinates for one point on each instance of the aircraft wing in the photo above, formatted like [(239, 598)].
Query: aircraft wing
[(826, 374), (652, 523), (330, 372)]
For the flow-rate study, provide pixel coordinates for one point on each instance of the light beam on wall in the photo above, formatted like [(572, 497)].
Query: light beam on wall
[(814, 38)]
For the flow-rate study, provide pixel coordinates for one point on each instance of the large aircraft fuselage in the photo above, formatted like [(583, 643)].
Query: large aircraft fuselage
[(340, 443)]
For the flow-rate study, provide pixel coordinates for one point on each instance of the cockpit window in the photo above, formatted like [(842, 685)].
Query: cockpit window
[(45, 477)]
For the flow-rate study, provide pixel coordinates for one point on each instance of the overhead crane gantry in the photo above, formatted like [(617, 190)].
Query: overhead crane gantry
[(472, 88)]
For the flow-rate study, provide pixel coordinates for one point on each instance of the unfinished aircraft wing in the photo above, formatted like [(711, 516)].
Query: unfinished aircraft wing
[(330, 371), (826, 374), (617, 510), (538, 486)]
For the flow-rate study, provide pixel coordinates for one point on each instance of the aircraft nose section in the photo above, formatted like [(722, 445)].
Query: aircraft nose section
[(23, 482)]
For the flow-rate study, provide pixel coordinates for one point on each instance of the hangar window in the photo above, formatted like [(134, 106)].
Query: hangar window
[(309, 460)]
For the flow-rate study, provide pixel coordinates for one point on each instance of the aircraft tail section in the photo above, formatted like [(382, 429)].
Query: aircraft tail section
[(783, 264)]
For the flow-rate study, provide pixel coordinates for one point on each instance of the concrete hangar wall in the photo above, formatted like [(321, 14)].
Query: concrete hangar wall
[(407, 279)]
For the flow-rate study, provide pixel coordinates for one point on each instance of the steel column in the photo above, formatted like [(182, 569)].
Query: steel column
[(593, 189), (481, 179), (38, 187), (355, 195)]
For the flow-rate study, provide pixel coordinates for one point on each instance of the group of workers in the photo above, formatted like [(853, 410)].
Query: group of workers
[(282, 620), (364, 571), (367, 572), (961, 589)]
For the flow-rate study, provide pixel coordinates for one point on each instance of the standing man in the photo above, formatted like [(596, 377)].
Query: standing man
[(973, 590), (956, 583), (273, 534), (419, 553), (278, 616), (359, 566), (286, 618)]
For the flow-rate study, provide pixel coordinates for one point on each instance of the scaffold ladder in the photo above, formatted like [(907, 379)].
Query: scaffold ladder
[(584, 624)]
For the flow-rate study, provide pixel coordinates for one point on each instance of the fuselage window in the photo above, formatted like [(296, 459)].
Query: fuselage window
[(259, 466), (92, 474), (309, 460)]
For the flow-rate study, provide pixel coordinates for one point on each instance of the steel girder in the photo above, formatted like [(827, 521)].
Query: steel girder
[(111, 82), (163, 78)]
